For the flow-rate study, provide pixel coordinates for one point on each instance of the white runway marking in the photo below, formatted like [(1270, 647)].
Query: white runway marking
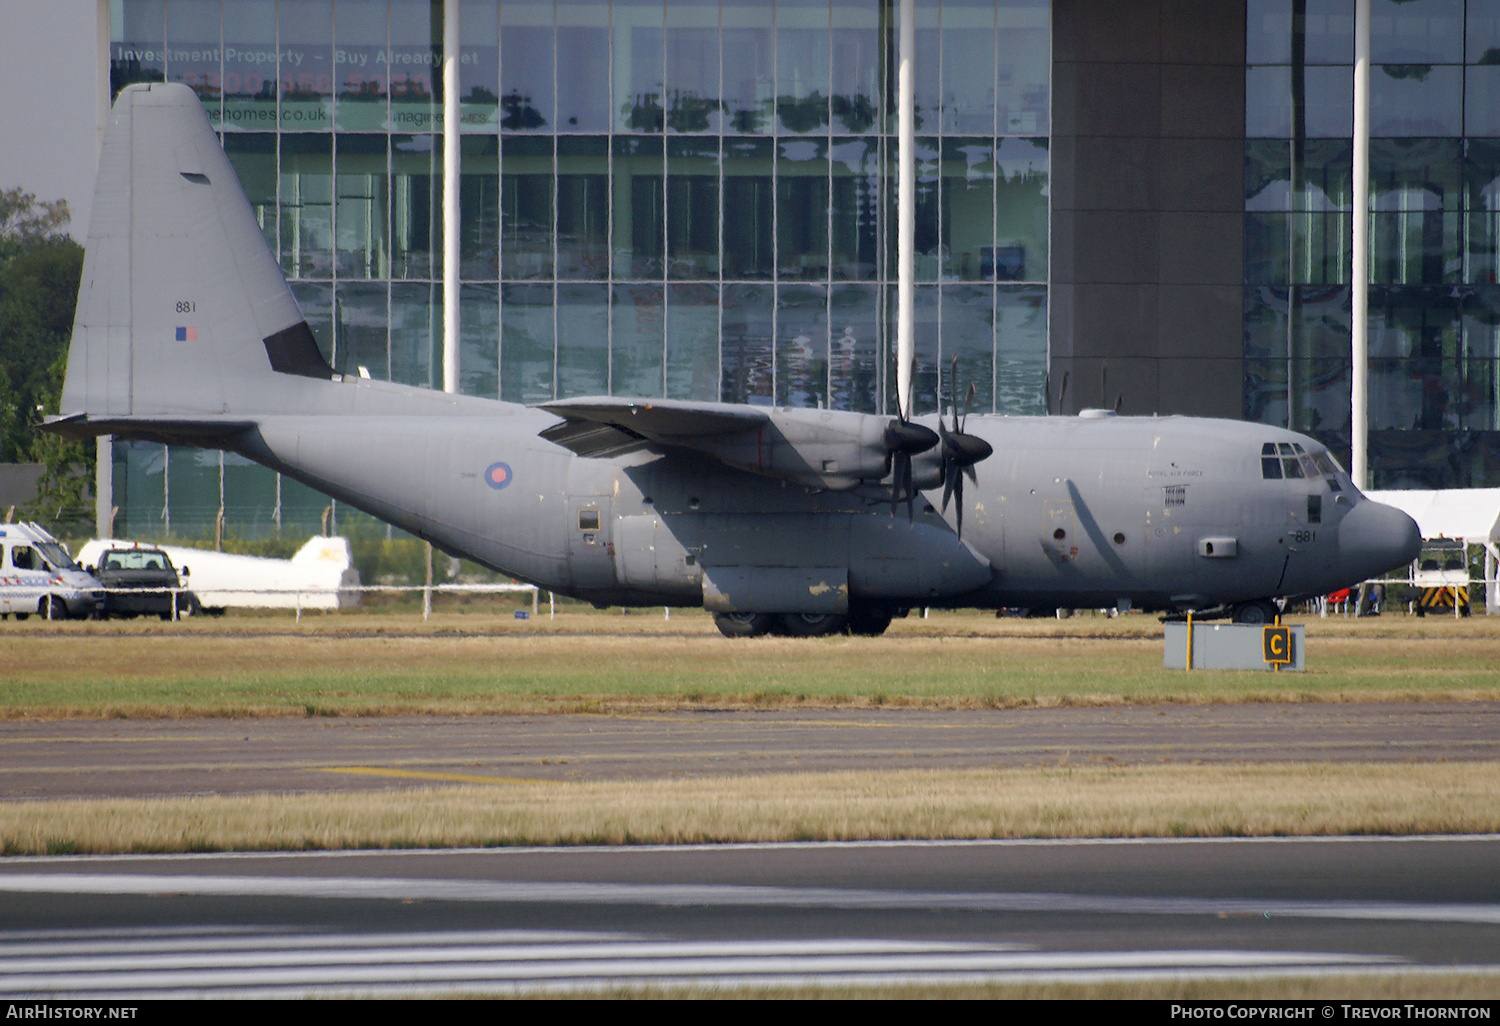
[(172, 963), (729, 895)]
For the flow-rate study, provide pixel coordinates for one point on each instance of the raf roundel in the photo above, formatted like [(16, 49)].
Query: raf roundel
[(498, 475)]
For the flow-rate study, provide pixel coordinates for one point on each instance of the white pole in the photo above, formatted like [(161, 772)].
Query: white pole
[(451, 159), (906, 183), (104, 449), (1359, 418)]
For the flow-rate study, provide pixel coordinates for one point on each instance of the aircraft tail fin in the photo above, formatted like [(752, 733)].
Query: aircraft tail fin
[(183, 313)]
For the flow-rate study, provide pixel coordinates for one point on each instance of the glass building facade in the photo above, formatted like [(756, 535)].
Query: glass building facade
[(1434, 209), (692, 199)]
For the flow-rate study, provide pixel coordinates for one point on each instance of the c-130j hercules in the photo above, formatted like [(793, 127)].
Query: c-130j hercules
[(798, 521)]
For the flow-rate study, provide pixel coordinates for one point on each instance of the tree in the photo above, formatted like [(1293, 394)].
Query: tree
[(40, 267)]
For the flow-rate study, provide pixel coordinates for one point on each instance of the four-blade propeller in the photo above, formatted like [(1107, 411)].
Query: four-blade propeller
[(905, 440), (960, 451)]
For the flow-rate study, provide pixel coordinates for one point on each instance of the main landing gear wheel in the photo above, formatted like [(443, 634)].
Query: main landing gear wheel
[(1259, 611), (868, 623), (743, 625), (812, 625)]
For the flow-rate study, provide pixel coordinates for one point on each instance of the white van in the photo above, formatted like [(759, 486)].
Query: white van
[(38, 576)]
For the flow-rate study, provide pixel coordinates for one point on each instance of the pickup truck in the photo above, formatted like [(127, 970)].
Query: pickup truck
[(143, 580)]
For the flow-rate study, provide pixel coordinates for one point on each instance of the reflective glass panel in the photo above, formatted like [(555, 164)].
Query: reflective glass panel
[(1417, 31), (1021, 207), (193, 51), (801, 345), (855, 210), (968, 71), (639, 217), (416, 62), (968, 332), (692, 342), (137, 49), (416, 334), (362, 317), (748, 48), (479, 201), (973, 250), (1482, 100), (1416, 100), (361, 249), (361, 59), (479, 359), (802, 66), (1482, 32), (854, 347), (250, 65), (692, 67), (306, 67), (802, 209), (479, 67), (526, 343), (307, 206), (748, 211), (583, 333), (416, 206), (1021, 349), (583, 89), (582, 207), (637, 327), (692, 208), (526, 200), (639, 65), (1023, 71), (746, 345), (527, 89)]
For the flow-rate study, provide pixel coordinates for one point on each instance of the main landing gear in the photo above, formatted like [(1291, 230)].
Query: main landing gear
[(860, 621), (1261, 611)]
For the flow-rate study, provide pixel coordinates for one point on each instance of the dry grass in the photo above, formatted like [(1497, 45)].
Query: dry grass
[(1150, 801), (385, 664)]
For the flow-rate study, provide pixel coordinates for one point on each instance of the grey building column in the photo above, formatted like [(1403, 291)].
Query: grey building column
[(1147, 251)]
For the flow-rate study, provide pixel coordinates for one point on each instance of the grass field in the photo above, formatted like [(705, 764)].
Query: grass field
[(1061, 801), (376, 663)]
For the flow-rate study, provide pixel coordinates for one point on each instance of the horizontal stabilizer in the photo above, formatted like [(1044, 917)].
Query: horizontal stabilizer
[(204, 432)]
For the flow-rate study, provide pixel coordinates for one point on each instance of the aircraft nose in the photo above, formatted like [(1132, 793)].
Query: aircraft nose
[(1374, 538)]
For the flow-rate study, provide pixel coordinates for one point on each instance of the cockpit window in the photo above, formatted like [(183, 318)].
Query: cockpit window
[(1270, 463)]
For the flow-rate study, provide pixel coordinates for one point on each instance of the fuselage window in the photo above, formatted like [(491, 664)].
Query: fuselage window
[(1315, 509), (588, 520)]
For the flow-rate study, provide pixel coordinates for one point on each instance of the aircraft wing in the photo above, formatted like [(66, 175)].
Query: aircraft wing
[(819, 448), (660, 420)]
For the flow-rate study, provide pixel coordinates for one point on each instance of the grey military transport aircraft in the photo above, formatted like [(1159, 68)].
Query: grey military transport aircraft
[(795, 521)]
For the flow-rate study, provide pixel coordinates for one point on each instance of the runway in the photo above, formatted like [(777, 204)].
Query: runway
[(133, 758), (527, 920)]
